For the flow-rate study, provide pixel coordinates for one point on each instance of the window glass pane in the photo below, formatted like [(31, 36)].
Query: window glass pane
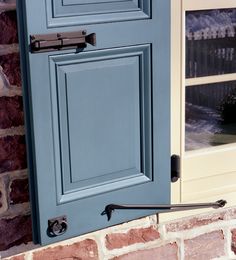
[(210, 115), (210, 42)]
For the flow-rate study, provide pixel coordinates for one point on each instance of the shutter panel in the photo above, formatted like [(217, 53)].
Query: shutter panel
[(98, 118)]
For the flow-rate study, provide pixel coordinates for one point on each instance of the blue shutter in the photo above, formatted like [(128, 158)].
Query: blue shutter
[(98, 118)]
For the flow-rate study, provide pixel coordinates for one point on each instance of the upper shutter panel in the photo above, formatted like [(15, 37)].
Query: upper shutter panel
[(78, 12)]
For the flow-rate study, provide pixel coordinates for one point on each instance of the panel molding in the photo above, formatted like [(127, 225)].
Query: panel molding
[(87, 2), (74, 12), (69, 189)]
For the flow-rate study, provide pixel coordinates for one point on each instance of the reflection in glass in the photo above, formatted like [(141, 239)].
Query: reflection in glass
[(210, 42), (210, 118)]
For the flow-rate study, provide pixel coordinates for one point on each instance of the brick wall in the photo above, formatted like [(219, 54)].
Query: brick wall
[(211, 236), (14, 199), (204, 237)]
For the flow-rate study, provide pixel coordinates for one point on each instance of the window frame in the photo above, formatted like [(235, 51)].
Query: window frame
[(213, 186)]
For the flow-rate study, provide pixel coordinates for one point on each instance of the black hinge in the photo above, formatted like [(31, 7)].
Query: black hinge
[(60, 41), (175, 168)]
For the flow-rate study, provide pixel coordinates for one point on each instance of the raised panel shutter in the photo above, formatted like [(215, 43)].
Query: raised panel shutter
[(98, 114)]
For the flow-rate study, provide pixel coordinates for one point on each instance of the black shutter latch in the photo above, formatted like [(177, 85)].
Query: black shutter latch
[(61, 41)]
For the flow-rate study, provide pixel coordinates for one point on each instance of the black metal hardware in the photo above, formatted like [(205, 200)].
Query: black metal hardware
[(57, 226), (59, 41), (175, 168), (169, 208)]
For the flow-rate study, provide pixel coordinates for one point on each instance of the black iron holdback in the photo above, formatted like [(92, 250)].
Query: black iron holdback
[(109, 209)]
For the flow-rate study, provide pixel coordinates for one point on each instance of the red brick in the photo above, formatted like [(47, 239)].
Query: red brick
[(167, 252), (194, 222), (8, 27), (14, 231), (11, 68), (233, 245), (142, 235), (84, 250), (12, 153), (19, 191), (11, 112), (206, 246)]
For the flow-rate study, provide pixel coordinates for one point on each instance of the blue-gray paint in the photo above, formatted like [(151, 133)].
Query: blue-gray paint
[(98, 120), (62, 13)]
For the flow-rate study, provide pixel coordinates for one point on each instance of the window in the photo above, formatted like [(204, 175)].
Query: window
[(204, 100)]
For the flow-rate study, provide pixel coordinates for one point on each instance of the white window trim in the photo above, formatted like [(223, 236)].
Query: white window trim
[(220, 181)]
